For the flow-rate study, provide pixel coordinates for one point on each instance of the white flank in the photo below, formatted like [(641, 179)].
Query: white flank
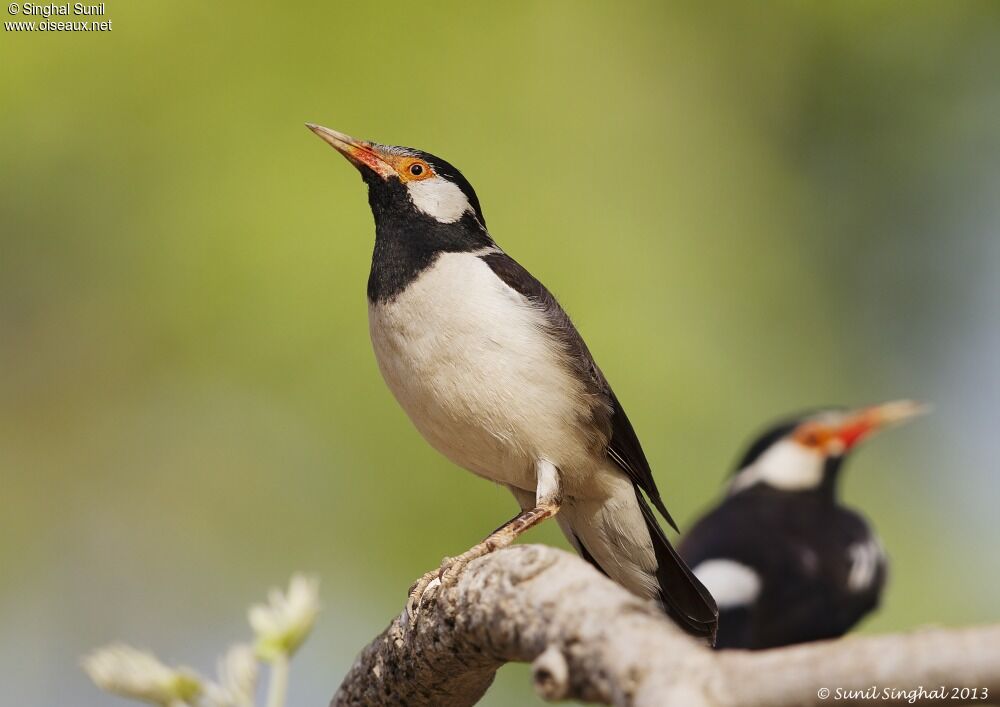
[(731, 583), (613, 530)]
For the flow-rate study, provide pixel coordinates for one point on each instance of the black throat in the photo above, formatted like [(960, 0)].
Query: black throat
[(831, 477), (408, 241)]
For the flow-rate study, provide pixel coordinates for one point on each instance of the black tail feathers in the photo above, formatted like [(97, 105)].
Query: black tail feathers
[(684, 598)]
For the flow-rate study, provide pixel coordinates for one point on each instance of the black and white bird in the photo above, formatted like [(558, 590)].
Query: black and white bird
[(784, 559), (494, 375)]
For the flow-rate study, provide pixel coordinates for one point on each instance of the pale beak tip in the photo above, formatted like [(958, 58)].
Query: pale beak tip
[(901, 411)]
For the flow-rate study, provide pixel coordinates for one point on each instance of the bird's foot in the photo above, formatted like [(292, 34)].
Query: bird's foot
[(443, 577), (448, 573), (454, 567), (426, 585)]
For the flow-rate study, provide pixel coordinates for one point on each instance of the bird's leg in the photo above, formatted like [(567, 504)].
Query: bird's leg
[(548, 498)]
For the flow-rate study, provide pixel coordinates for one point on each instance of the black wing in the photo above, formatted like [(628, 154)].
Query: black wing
[(626, 452), (606, 412), (682, 595)]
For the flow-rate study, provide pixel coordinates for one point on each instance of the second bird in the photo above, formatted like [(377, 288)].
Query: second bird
[(785, 560), (494, 375)]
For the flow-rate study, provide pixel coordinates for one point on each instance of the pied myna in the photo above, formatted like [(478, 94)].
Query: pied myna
[(786, 561), (494, 375)]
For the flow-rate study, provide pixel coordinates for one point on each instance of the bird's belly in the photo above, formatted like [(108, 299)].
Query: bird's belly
[(469, 361)]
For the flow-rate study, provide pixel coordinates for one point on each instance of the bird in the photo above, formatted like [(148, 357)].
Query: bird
[(786, 561), (494, 375)]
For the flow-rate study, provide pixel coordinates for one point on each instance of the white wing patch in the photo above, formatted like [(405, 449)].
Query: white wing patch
[(439, 199), (866, 558), (732, 583)]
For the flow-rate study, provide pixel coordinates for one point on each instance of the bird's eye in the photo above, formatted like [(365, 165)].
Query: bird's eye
[(810, 436), (413, 170)]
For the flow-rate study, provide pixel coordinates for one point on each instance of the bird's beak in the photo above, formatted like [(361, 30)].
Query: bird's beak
[(363, 155), (863, 423)]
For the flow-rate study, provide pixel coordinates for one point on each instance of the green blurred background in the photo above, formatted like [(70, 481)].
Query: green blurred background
[(749, 208)]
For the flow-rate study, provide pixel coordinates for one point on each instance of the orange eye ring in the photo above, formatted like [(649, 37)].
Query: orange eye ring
[(811, 435), (414, 170)]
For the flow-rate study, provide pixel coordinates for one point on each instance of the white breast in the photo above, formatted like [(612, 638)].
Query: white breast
[(468, 359)]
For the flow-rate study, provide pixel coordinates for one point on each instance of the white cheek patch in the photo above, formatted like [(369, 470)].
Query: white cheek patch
[(731, 583), (787, 465), (439, 199)]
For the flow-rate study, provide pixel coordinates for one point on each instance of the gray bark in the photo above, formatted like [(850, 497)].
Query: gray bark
[(588, 639)]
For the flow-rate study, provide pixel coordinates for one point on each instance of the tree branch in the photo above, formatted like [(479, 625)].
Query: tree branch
[(589, 639)]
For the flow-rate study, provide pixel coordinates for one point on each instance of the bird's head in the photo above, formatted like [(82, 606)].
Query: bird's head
[(805, 453), (407, 183)]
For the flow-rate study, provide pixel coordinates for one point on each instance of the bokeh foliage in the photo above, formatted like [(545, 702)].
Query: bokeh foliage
[(749, 208)]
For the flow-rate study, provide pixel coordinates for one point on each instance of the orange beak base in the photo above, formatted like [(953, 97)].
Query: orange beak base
[(361, 154), (865, 422)]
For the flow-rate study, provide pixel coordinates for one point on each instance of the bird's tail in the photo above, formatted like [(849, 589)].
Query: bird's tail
[(621, 537)]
